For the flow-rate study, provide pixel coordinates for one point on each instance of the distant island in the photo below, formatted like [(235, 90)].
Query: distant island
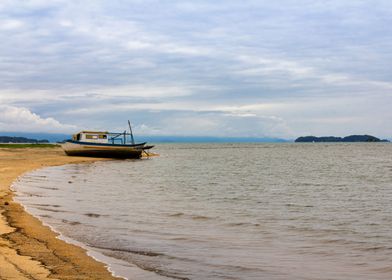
[(10, 139), (351, 138)]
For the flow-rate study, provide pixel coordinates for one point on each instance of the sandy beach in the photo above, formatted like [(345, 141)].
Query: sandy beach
[(28, 249)]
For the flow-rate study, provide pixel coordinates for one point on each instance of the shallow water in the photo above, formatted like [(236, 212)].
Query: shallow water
[(228, 211)]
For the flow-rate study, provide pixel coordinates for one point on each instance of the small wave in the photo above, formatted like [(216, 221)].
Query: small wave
[(160, 271), (72, 223), (243, 268), (31, 194), (49, 188), (179, 214), (164, 273), (331, 241), (51, 210), (386, 269), (200, 217), (45, 216), (46, 205), (298, 205), (243, 224), (193, 217), (92, 215), (179, 238), (136, 252), (375, 248)]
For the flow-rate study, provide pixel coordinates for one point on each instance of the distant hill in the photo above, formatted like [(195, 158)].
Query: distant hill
[(51, 137), (10, 139), (351, 138)]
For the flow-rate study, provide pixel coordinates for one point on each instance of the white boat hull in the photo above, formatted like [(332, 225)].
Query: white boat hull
[(74, 148)]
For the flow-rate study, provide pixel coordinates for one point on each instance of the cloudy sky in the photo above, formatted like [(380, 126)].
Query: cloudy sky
[(209, 68)]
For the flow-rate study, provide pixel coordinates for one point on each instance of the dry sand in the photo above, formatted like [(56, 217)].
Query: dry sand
[(28, 249)]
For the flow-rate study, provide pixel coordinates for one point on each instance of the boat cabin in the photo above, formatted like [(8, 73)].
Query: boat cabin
[(92, 136), (103, 137)]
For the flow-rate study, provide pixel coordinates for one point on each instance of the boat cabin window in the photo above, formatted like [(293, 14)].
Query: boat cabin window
[(100, 136), (94, 137), (78, 136)]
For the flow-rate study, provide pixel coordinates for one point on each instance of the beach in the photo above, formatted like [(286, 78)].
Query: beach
[(28, 249)]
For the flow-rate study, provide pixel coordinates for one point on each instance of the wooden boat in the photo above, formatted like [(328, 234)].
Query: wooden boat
[(104, 144)]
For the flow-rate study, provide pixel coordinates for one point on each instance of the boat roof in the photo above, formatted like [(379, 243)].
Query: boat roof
[(93, 132)]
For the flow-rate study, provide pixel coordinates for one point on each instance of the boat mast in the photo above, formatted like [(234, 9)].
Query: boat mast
[(130, 129)]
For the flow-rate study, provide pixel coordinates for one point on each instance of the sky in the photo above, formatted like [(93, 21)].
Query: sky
[(249, 68)]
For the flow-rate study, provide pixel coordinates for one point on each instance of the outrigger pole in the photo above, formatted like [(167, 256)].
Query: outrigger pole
[(130, 129)]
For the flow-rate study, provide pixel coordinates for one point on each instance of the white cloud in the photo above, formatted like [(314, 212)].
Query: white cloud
[(94, 94), (10, 24), (223, 125), (23, 120), (267, 66), (143, 91), (286, 73)]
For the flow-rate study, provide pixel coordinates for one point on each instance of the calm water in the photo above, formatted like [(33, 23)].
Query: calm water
[(228, 211)]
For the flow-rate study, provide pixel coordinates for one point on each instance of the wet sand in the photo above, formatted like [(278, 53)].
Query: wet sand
[(28, 249)]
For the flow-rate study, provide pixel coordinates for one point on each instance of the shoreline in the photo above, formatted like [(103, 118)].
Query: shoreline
[(28, 248)]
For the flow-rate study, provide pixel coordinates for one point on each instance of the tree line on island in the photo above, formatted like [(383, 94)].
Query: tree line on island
[(350, 138), (10, 139)]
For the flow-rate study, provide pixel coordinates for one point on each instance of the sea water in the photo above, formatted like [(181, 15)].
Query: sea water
[(227, 211)]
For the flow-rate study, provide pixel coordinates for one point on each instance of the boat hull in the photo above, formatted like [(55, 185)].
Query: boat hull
[(85, 149)]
